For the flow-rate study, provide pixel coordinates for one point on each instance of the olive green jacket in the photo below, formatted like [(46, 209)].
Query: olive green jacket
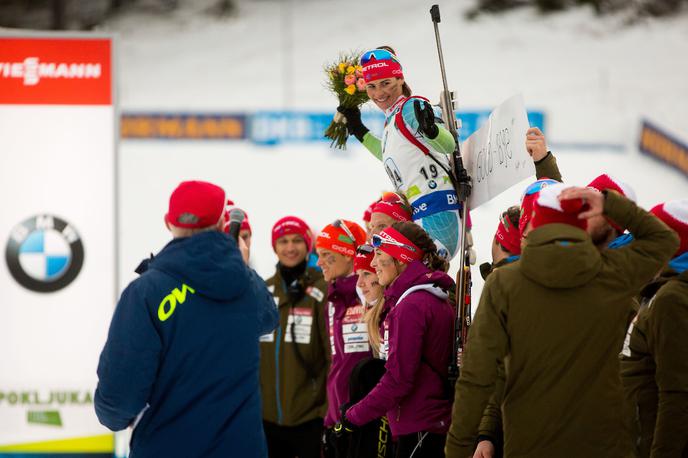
[(293, 371), (557, 319), (491, 424), (654, 369), (547, 168)]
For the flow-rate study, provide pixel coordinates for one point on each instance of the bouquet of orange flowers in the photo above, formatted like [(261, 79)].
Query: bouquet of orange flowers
[(345, 80)]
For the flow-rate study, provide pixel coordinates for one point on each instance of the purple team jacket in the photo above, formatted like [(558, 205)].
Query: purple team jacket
[(348, 342), (412, 392)]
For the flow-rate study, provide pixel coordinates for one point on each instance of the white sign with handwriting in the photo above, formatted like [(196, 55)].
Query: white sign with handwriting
[(495, 155)]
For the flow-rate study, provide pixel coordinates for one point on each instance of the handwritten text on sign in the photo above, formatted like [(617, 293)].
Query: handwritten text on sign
[(495, 155)]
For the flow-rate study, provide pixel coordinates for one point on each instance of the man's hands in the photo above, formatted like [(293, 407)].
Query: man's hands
[(485, 449), (426, 119), (592, 197), (536, 145)]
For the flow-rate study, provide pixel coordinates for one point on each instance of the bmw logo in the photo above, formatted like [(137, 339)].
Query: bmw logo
[(44, 253), (354, 327), (432, 184)]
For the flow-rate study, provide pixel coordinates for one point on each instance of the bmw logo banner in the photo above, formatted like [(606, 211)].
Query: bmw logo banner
[(58, 236)]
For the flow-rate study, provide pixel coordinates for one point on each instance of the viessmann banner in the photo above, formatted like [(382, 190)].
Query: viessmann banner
[(57, 231)]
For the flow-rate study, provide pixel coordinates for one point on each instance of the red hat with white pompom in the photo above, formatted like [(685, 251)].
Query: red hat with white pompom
[(675, 215), (606, 182), (548, 209)]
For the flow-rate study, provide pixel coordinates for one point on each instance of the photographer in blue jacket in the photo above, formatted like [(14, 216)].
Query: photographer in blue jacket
[(181, 361)]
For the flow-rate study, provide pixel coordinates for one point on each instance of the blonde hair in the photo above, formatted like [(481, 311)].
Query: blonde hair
[(372, 321)]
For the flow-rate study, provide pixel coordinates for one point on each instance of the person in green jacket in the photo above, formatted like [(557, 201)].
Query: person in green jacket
[(654, 362), (556, 320), (295, 357)]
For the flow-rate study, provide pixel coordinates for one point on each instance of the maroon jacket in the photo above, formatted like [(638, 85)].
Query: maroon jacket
[(348, 340), (412, 393)]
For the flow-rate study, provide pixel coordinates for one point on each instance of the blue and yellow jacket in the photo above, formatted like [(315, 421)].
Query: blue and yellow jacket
[(181, 360)]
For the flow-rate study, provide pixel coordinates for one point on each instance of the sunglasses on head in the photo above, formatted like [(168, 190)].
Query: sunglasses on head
[(375, 55), (365, 249), (377, 241), (340, 224)]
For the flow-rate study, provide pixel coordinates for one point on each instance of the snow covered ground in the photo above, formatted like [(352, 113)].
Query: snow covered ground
[(594, 79)]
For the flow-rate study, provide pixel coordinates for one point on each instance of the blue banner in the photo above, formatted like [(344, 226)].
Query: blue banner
[(275, 127), (269, 127)]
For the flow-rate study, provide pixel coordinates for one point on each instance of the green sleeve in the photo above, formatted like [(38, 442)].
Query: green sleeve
[(444, 142), (373, 144), (547, 168), (487, 345), (491, 423), (653, 245), (670, 329)]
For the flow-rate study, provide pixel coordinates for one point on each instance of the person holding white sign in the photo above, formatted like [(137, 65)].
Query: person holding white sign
[(180, 365), (295, 357), (414, 148)]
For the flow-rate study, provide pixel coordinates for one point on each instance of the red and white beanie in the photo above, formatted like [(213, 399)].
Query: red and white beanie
[(548, 209), (335, 238), (394, 243), (675, 215), (380, 64), (528, 201), (606, 182), (369, 211), (393, 209), (291, 225), (507, 235)]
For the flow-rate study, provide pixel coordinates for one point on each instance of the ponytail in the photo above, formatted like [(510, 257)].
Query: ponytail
[(422, 240)]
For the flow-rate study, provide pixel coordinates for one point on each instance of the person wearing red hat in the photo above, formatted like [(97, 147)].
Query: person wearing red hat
[(366, 217), (506, 244), (654, 362), (180, 365), (296, 354), (336, 248), (604, 232), (558, 317), (416, 344), (245, 232), (388, 210)]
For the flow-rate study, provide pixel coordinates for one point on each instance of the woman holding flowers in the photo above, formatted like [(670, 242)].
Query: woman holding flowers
[(413, 393), (414, 147)]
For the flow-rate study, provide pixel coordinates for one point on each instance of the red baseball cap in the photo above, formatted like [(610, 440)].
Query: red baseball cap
[(195, 205)]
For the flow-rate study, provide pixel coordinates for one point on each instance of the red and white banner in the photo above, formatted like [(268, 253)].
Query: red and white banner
[(58, 139), (51, 71)]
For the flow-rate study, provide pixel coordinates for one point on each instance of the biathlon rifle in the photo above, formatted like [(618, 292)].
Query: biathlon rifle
[(462, 185)]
